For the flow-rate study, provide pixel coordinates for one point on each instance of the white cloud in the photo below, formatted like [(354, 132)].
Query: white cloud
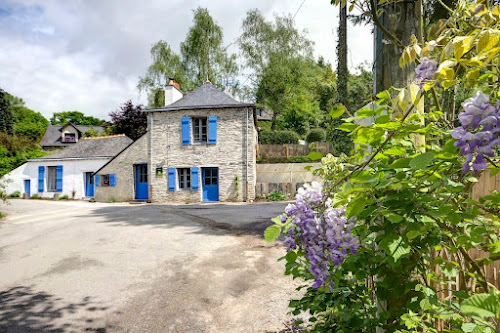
[(88, 55)]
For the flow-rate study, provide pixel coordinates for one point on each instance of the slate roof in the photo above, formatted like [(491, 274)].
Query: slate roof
[(88, 148), (207, 96), (52, 136)]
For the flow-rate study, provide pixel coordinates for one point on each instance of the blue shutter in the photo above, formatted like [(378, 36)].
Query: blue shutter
[(112, 179), (186, 135), (96, 180), (41, 178), (212, 130), (194, 178), (59, 178), (171, 179)]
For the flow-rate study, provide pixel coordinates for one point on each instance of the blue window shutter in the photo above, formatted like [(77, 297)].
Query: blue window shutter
[(171, 179), (41, 178), (96, 180), (59, 178), (186, 135), (112, 179), (194, 178), (212, 130)]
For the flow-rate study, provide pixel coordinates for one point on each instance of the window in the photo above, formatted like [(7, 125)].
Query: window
[(142, 173), (104, 180), (69, 137), (200, 130), (52, 179), (184, 177), (211, 176)]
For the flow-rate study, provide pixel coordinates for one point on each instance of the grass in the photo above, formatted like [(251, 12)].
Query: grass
[(111, 200), (64, 197), (34, 196), (277, 196)]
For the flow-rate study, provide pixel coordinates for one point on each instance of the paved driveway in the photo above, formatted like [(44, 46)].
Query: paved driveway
[(92, 267)]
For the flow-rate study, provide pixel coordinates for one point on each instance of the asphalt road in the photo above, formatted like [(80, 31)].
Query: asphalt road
[(92, 267)]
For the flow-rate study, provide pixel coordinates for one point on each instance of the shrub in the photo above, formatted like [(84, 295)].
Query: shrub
[(111, 200), (291, 159), (15, 194), (64, 197), (34, 196), (278, 137), (316, 135), (277, 196)]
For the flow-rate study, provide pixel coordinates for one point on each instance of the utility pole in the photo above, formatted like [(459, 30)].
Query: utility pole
[(342, 71)]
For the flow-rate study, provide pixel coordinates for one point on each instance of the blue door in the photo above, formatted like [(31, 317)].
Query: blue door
[(89, 184), (210, 184), (27, 187), (141, 182)]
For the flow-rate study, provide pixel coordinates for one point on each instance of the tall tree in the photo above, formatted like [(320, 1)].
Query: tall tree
[(129, 120), (262, 39), (202, 57), (74, 117), (6, 116)]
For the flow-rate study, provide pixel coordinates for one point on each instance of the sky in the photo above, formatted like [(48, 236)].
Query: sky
[(88, 55)]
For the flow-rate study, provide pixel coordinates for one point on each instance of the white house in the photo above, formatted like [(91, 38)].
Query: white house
[(66, 172)]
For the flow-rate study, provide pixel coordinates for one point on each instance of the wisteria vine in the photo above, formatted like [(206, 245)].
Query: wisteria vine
[(323, 232)]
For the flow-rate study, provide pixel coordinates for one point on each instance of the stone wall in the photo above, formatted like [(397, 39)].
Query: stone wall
[(123, 166), (283, 177), (228, 154)]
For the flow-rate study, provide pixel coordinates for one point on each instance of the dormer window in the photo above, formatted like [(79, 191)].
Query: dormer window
[(69, 137)]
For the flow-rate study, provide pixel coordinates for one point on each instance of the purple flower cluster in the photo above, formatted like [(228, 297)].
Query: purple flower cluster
[(321, 231), (478, 135), (425, 70)]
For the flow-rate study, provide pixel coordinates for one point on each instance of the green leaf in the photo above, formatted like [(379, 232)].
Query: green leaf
[(494, 172), (347, 127), (313, 156), (412, 234), (398, 248), (382, 119), (383, 95), (337, 111), (277, 220), (468, 327), (355, 207), (393, 218), (481, 305), (395, 151), (401, 163), (291, 257), (272, 232), (368, 135), (422, 161)]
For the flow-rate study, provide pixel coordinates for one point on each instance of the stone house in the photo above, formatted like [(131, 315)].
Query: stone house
[(68, 171), (57, 136), (200, 147)]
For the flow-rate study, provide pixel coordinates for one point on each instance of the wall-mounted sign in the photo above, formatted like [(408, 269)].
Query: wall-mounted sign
[(159, 172)]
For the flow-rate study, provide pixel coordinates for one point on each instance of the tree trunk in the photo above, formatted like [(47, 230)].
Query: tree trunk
[(342, 71)]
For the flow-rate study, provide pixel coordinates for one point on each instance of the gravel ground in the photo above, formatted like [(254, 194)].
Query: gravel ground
[(93, 267)]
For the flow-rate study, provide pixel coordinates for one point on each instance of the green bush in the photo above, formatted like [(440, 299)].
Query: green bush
[(64, 197), (278, 137), (34, 196), (291, 159), (15, 194), (316, 135), (277, 196)]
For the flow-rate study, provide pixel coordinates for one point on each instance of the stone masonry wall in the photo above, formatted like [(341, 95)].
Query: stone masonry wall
[(123, 167), (228, 154)]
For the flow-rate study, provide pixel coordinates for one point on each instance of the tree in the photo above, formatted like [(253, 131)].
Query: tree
[(6, 116), (29, 123), (202, 57), (74, 117), (129, 120), (262, 40)]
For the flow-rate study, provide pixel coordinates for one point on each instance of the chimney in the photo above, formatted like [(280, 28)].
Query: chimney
[(172, 92)]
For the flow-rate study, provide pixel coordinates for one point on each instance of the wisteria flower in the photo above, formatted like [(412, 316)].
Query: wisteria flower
[(323, 232), (478, 135), (426, 70)]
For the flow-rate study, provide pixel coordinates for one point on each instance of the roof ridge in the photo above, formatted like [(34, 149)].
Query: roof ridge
[(103, 137)]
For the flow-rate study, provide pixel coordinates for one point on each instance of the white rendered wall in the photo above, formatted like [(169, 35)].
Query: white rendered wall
[(73, 176)]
